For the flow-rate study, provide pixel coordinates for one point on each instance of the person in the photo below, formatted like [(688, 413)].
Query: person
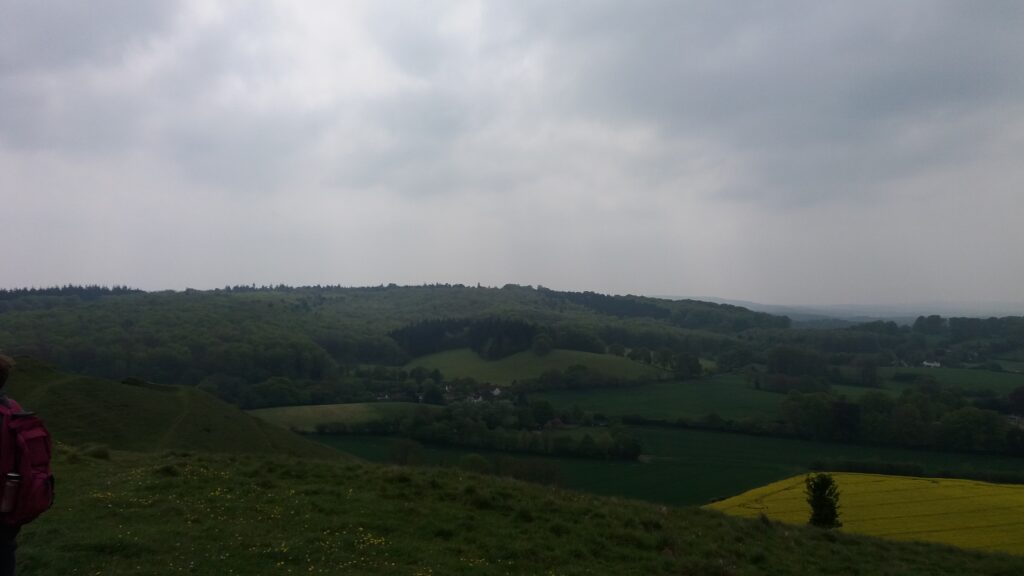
[(8, 534)]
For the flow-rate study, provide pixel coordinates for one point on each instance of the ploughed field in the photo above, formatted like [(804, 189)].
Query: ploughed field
[(963, 513)]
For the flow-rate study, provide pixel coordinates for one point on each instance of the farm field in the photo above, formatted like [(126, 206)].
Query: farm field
[(692, 467), (464, 363), (998, 382), (961, 513), (306, 418), (727, 395)]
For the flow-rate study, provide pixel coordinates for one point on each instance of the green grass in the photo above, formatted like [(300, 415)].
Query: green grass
[(693, 467), (80, 410), (306, 418), (963, 513), (163, 515), (967, 379), (465, 363)]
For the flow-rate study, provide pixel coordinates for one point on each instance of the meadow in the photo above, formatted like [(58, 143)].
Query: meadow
[(962, 513), (172, 513), (464, 363), (305, 419)]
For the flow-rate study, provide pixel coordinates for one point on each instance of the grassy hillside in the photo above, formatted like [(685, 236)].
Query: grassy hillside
[(465, 363), (958, 512), (306, 418), (209, 514), (143, 417)]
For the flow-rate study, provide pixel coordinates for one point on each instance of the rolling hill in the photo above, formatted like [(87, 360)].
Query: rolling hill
[(142, 416), (208, 489)]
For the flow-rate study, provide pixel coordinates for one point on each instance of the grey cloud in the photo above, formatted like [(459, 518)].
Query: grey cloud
[(654, 146), (801, 90), (65, 33)]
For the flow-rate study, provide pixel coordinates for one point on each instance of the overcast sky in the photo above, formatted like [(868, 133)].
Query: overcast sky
[(781, 152)]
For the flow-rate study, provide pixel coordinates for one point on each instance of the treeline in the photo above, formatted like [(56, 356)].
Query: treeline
[(918, 470), (492, 337), (253, 334), (921, 417), (361, 384), (532, 427), (16, 299), (953, 342), (691, 314), (85, 292), (622, 306)]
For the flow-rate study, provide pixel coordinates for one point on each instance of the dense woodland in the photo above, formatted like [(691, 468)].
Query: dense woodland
[(273, 346)]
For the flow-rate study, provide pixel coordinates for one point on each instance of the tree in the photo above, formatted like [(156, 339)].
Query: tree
[(1016, 401), (542, 344), (823, 496)]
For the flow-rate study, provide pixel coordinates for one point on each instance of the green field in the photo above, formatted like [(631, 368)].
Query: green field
[(1012, 365), (727, 395), (999, 382), (962, 513), (465, 363), (306, 418), (692, 467)]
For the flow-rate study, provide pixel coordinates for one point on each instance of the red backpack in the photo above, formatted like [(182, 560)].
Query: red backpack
[(26, 481)]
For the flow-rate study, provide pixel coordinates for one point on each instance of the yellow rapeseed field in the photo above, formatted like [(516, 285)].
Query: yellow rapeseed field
[(962, 513)]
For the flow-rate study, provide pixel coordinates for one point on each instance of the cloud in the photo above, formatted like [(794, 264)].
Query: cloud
[(793, 151), (817, 99)]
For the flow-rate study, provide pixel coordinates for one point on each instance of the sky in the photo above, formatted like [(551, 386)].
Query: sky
[(793, 152)]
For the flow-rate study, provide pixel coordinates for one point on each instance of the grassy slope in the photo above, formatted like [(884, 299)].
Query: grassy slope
[(80, 410), (467, 364), (957, 512), (306, 418), (209, 514)]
